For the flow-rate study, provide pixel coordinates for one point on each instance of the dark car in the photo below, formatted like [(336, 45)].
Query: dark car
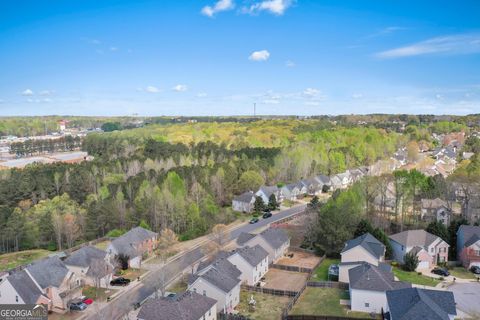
[(475, 269), (254, 220), (77, 305), (267, 214), (120, 281), (441, 272)]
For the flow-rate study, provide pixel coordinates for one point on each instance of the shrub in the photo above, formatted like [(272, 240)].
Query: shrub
[(115, 233), (411, 262)]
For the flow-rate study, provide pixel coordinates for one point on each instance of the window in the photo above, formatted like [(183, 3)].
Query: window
[(16, 298), (367, 305), (195, 290), (204, 292)]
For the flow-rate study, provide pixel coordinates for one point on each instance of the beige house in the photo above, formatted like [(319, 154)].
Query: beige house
[(251, 261), (91, 265), (274, 240)]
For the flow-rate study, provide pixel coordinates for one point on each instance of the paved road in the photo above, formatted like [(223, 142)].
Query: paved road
[(467, 297), (124, 303)]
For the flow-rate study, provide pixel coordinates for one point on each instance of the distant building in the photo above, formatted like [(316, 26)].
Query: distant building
[(135, 244), (468, 245), (435, 210)]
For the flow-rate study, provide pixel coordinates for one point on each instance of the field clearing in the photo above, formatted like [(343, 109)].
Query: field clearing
[(300, 259), (285, 280), (267, 306), (15, 259)]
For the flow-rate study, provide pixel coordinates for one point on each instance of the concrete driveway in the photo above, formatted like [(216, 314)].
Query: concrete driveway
[(467, 297)]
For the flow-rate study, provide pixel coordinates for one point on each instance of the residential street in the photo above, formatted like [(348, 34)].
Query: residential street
[(124, 303)]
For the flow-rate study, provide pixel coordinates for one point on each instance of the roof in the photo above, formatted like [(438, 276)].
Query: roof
[(99, 268), (433, 203), (253, 255), (84, 256), (275, 237), (48, 272), (186, 306), (244, 238), (369, 277), (323, 179), (471, 234), (25, 287), (369, 243), (126, 243), (420, 304), (412, 238), (221, 279), (268, 190), (245, 197)]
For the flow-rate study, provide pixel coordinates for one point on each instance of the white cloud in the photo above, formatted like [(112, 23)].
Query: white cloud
[(45, 93), (27, 92), (201, 95), (261, 55), (46, 100), (152, 89), (451, 44), (357, 96), (277, 7), (289, 64), (113, 49), (219, 6), (180, 88), (311, 92), (312, 103)]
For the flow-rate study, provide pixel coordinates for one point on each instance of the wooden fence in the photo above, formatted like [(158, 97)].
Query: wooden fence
[(275, 292), (291, 268), (327, 284), (310, 317)]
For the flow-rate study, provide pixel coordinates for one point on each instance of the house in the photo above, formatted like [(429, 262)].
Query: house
[(324, 182), (251, 261), (430, 249), (365, 248), (134, 244), (266, 191), (420, 304), (219, 281), (435, 210), (47, 281), (468, 245), (368, 286), (292, 191), (312, 186), (91, 265), (341, 180), (184, 306), (356, 174), (274, 240), (244, 202)]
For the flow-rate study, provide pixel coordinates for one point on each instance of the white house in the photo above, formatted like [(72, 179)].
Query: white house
[(274, 240), (368, 286), (91, 264), (429, 248), (251, 261), (266, 191), (292, 191), (365, 248), (244, 202), (184, 306)]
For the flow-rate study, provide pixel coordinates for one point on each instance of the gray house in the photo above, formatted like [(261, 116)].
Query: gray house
[(266, 191), (274, 240), (91, 265), (244, 202)]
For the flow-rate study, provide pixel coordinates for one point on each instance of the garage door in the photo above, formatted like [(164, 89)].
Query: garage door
[(423, 265)]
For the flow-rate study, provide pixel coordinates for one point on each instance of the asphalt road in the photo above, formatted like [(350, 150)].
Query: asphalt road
[(124, 303), (467, 297)]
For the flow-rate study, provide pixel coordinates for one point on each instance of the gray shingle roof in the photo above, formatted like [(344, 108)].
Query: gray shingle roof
[(369, 243), (323, 179), (25, 287), (84, 256), (269, 190), (369, 277), (126, 244), (48, 272), (245, 197), (413, 238), (221, 279), (253, 255), (420, 304), (244, 238), (186, 306), (470, 234), (275, 237), (99, 268)]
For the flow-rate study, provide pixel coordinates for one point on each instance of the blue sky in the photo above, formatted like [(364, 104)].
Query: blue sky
[(210, 57)]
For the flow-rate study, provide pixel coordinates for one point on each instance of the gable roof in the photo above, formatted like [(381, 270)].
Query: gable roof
[(275, 237), (245, 197), (471, 234), (412, 238), (268, 190), (323, 179), (369, 277), (420, 304), (25, 287), (48, 272), (84, 256), (253, 255), (99, 268), (244, 238), (221, 277), (369, 243), (126, 244), (186, 306)]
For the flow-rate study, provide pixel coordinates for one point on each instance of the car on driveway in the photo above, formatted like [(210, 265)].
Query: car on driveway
[(254, 220), (77, 305), (120, 281), (475, 269), (441, 272)]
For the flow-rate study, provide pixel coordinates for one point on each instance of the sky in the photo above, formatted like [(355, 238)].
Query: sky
[(219, 57)]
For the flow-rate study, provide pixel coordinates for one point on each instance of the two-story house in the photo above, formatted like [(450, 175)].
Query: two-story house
[(274, 240), (324, 182), (266, 191), (244, 202), (184, 306), (91, 264), (135, 244), (251, 261), (292, 191), (430, 249), (468, 245), (435, 210)]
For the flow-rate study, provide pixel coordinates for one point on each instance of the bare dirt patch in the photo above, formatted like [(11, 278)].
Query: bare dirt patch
[(285, 280), (300, 259)]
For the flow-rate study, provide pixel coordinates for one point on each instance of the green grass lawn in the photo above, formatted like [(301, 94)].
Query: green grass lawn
[(323, 302), (267, 306), (414, 277), (97, 294), (321, 272), (132, 274), (177, 287), (15, 259), (460, 272)]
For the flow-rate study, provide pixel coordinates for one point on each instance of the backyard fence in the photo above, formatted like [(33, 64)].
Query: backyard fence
[(327, 284), (310, 317), (275, 292), (291, 268)]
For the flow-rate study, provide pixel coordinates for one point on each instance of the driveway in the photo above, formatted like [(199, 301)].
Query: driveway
[(467, 296)]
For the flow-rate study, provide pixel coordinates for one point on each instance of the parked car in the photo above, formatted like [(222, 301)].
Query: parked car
[(77, 305), (475, 269), (120, 281), (267, 214), (441, 272), (88, 301), (254, 220)]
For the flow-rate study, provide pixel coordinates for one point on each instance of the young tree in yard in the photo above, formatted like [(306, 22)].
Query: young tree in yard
[(383, 238), (71, 229), (314, 203), (258, 205), (272, 202), (411, 262), (166, 241), (122, 261), (437, 228), (452, 236), (220, 235), (364, 226)]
